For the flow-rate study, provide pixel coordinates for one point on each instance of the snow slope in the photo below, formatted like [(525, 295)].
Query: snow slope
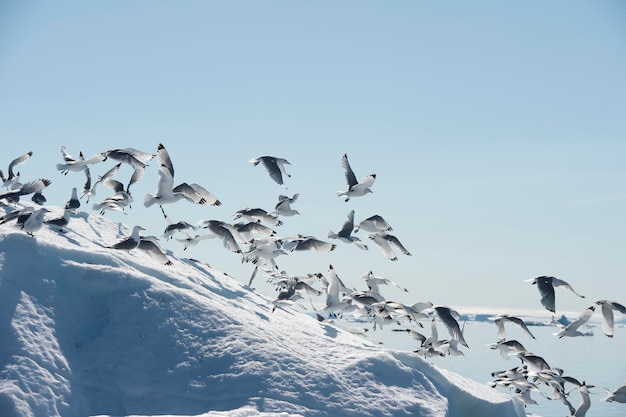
[(87, 330)]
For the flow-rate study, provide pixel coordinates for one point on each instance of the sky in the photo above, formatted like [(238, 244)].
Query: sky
[(496, 130), (91, 331)]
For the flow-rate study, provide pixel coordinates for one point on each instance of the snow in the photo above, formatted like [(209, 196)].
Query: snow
[(88, 330)]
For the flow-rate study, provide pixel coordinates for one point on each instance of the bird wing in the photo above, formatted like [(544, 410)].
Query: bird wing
[(348, 226), (582, 319), (163, 158), (607, 319), (380, 223), (166, 182), (384, 246), (153, 249), (269, 162), (350, 177), (451, 323), (196, 194), (17, 161), (395, 242), (66, 157), (546, 290), (315, 244), (521, 324)]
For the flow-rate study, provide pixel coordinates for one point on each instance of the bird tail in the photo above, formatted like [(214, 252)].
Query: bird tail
[(149, 200)]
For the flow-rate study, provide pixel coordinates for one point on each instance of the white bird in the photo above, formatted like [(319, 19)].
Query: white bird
[(500, 319), (129, 243), (90, 191), (193, 240), (301, 243), (618, 395), (180, 226), (275, 166), (13, 179), (283, 207), (345, 234), (34, 222), (373, 224), (167, 193), (222, 230), (447, 316), (257, 215), (607, 314), (585, 403), (73, 203), (571, 330), (80, 164), (355, 188), (506, 347), (546, 285), (62, 221), (385, 242), (28, 188)]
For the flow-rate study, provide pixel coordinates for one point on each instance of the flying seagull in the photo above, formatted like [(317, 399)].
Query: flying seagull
[(607, 314), (275, 166), (546, 285), (499, 321), (12, 178), (373, 224), (355, 188), (446, 315), (571, 330), (80, 164), (385, 241), (345, 234), (150, 245), (138, 160), (167, 193), (283, 207)]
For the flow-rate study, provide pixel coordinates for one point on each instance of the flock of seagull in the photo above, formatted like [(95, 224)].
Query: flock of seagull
[(254, 238)]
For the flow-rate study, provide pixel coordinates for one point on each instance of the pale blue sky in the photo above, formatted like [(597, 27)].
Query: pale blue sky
[(496, 130)]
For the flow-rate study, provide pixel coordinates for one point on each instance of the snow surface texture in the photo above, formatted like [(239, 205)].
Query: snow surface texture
[(87, 330)]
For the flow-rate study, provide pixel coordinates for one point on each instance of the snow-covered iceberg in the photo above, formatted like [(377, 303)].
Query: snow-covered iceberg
[(86, 330)]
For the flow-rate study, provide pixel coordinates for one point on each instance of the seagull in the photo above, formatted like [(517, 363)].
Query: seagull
[(73, 203), (28, 188), (499, 320), (71, 164), (571, 330), (106, 180), (257, 215), (287, 293), (546, 286), (385, 241), (607, 314), (618, 395), (223, 231), (373, 282), (62, 221), (138, 160), (193, 240), (167, 194), (345, 234), (507, 346), (130, 242), (533, 362), (583, 407), (355, 188), (373, 224), (275, 166), (283, 207), (300, 243), (446, 315), (34, 222), (244, 232), (180, 226), (13, 178)]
